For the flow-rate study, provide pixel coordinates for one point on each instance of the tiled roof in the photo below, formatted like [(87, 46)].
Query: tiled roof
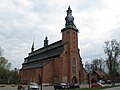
[(101, 73), (43, 55)]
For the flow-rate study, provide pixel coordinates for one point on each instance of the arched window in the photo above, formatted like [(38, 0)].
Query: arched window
[(74, 66)]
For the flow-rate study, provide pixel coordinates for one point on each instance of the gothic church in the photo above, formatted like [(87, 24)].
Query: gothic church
[(57, 62)]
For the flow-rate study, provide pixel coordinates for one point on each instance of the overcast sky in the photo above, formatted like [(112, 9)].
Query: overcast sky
[(21, 21)]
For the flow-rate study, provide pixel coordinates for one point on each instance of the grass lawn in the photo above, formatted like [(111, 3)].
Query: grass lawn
[(95, 88)]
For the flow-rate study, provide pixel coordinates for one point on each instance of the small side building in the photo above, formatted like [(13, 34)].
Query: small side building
[(57, 62), (98, 75)]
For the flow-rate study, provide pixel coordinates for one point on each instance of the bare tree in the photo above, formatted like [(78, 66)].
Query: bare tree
[(1, 51), (112, 50), (3, 61), (96, 64), (88, 67)]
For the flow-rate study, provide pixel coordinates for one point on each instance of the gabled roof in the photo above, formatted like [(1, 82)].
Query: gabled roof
[(43, 49), (43, 55), (100, 73)]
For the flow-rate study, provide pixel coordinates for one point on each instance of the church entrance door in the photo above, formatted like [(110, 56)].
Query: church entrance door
[(74, 80)]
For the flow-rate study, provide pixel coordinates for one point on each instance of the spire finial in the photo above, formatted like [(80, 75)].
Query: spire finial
[(69, 8), (46, 41), (32, 49), (46, 38), (69, 19)]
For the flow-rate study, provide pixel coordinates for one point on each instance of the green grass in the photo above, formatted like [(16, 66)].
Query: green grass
[(95, 88), (90, 89)]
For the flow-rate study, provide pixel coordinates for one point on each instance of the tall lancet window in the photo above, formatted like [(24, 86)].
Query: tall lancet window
[(74, 66)]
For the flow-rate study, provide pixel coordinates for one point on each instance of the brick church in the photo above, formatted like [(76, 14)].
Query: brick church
[(57, 62)]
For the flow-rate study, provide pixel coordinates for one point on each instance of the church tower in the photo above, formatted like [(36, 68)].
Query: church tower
[(70, 38), (70, 32)]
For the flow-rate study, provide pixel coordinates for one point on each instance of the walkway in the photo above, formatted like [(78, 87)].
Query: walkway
[(114, 88)]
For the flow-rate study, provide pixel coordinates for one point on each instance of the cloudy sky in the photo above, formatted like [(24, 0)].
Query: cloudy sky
[(21, 21)]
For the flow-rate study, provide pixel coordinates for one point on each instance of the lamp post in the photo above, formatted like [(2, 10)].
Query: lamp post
[(41, 76), (89, 76)]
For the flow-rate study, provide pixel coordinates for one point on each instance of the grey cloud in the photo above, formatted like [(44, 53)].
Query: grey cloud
[(91, 49), (19, 24), (115, 33), (39, 6), (86, 5), (23, 20)]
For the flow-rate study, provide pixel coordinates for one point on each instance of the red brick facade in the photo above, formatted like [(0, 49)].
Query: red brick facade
[(65, 68)]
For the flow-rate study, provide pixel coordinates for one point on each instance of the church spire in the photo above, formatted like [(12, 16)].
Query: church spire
[(69, 19), (32, 48)]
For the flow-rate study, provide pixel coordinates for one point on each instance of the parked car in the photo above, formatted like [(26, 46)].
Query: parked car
[(73, 85), (97, 85), (101, 81), (60, 86), (20, 87), (108, 81), (33, 86)]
